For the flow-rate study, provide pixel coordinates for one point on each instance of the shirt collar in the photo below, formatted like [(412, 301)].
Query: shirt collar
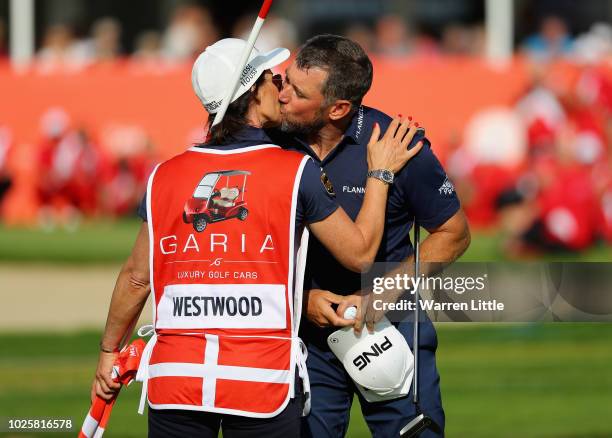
[(356, 128), (251, 134), (353, 133)]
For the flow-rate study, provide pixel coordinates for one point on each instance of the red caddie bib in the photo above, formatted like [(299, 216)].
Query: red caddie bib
[(225, 262)]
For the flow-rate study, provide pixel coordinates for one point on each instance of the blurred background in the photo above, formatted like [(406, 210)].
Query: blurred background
[(515, 96)]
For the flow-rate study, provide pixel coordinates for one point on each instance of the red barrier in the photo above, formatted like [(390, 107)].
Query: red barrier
[(440, 93), (443, 94), (102, 98)]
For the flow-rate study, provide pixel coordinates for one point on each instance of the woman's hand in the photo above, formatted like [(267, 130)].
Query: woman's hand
[(103, 384), (391, 151)]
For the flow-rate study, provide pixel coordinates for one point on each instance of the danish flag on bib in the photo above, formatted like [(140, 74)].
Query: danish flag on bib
[(226, 274)]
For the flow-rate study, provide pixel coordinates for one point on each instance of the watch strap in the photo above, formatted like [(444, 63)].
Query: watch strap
[(383, 175)]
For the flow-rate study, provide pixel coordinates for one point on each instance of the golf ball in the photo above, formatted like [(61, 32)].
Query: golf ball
[(350, 313)]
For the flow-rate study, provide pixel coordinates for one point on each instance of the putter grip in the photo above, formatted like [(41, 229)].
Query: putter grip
[(263, 12)]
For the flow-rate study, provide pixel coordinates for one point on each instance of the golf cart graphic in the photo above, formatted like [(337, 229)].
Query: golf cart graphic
[(219, 196)]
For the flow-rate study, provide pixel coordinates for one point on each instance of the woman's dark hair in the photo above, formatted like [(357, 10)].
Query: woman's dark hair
[(234, 119)]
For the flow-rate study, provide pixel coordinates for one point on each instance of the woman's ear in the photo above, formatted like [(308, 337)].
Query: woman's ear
[(255, 91)]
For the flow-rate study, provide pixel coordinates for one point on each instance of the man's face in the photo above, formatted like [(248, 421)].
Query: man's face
[(302, 103)]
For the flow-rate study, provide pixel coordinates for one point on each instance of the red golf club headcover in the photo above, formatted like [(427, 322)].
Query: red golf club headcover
[(124, 371)]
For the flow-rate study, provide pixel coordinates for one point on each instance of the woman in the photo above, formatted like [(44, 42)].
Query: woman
[(223, 251)]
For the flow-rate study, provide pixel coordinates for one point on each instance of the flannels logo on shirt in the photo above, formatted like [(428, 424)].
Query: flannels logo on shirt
[(353, 189), (359, 122), (447, 187)]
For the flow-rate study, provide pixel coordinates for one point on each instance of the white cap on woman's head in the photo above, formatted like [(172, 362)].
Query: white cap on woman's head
[(215, 67)]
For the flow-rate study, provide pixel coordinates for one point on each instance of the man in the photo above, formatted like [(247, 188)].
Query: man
[(321, 106)]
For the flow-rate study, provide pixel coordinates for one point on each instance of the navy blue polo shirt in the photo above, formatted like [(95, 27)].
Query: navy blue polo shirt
[(314, 202), (421, 190)]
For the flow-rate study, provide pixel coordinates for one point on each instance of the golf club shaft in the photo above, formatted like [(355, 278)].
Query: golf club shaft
[(415, 344), (263, 12), (421, 421)]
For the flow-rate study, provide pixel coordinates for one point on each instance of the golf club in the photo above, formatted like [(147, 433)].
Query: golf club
[(263, 12), (421, 421)]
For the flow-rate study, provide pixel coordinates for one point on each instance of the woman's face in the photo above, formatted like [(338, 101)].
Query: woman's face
[(268, 106)]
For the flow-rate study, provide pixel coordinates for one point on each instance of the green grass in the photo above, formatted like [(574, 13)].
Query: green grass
[(551, 380), (527, 380), (106, 242), (93, 242)]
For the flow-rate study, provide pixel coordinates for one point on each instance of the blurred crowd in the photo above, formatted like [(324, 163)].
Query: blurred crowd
[(191, 28), (541, 170), (73, 177), (189, 31)]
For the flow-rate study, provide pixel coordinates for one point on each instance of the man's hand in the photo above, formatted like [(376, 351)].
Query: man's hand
[(103, 384), (357, 300), (366, 314), (319, 308), (372, 316)]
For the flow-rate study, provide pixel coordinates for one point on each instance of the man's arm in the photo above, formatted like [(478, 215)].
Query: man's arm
[(424, 187), (444, 244), (129, 297), (355, 244)]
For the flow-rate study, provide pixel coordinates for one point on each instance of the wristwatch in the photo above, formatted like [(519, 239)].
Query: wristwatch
[(384, 175)]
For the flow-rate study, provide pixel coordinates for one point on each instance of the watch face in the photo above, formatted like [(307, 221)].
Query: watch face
[(387, 176)]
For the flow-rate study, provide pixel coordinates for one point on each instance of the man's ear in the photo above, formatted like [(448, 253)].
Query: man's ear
[(339, 109)]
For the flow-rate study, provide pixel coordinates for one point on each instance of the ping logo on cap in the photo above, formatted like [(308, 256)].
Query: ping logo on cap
[(363, 359)]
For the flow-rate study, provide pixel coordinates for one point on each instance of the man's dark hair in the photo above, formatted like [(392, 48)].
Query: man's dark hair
[(234, 119), (349, 70)]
